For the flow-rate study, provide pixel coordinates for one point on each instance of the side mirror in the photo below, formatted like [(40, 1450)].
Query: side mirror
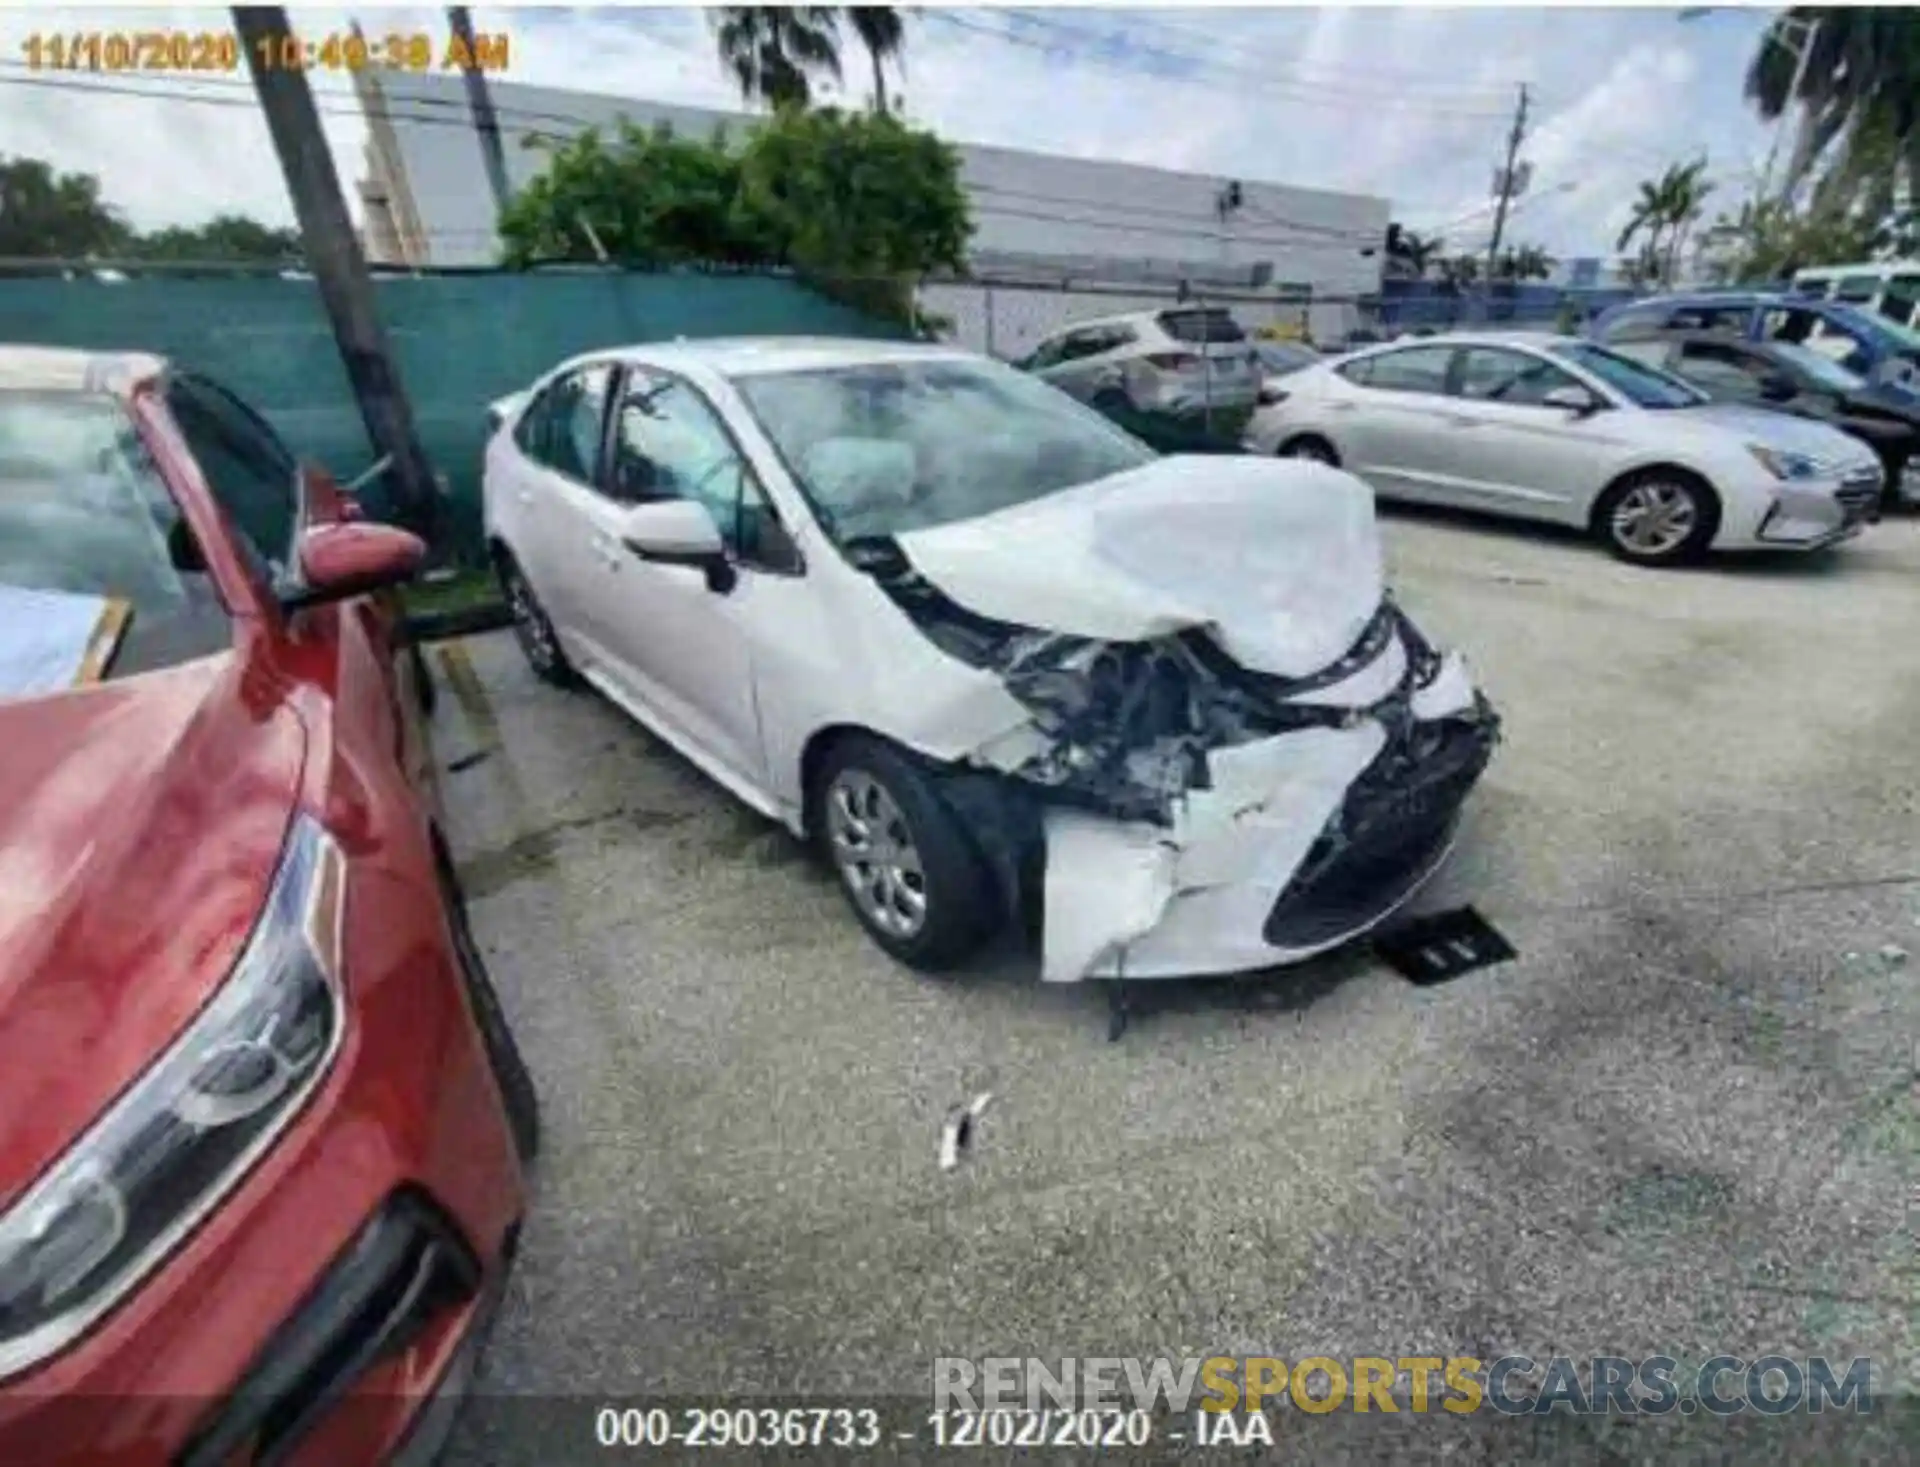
[(1576, 400), (352, 558), (679, 532)]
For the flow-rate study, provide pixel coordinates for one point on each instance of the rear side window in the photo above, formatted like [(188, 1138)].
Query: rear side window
[(1417, 369), (562, 429), (1636, 325), (1857, 289), (1200, 327), (1710, 318)]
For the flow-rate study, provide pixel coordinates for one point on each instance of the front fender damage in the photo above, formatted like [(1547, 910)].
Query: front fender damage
[(1158, 798)]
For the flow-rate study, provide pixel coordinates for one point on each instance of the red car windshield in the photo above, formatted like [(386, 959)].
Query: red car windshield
[(84, 510)]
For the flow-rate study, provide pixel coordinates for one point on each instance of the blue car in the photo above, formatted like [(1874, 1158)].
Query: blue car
[(1885, 354)]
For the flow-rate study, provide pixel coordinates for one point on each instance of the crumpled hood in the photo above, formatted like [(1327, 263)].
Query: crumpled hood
[(1280, 559), (1780, 430), (140, 824)]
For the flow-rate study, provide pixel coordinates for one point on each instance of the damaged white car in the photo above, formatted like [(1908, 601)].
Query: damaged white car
[(995, 655)]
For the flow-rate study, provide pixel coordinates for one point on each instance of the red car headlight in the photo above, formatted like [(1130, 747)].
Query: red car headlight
[(182, 1136)]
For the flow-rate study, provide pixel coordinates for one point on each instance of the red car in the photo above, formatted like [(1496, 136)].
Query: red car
[(262, 1123)]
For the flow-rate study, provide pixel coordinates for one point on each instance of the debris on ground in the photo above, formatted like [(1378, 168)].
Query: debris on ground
[(957, 1134), (1444, 945), (1893, 955)]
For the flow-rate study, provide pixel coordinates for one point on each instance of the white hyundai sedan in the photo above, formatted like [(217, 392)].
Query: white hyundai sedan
[(988, 650), (1559, 428)]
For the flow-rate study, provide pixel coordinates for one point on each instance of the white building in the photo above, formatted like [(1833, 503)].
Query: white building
[(1038, 218)]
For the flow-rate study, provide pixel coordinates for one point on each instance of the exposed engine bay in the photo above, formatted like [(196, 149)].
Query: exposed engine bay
[(1128, 725)]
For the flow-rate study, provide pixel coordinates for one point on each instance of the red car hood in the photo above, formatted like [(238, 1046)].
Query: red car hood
[(140, 823)]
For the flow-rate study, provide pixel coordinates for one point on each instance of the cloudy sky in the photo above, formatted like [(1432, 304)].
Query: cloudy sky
[(1412, 104)]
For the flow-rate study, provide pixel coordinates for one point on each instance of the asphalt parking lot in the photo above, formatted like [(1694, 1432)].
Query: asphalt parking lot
[(1684, 1120)]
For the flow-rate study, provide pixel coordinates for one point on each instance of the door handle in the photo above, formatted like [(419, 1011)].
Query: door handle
[(525, 496), (1455, 421), (608, 549)]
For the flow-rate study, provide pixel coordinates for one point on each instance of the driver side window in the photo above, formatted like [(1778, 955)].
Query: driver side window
[(669, 443)]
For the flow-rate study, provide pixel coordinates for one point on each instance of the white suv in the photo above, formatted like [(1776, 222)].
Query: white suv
[(1187, 362)]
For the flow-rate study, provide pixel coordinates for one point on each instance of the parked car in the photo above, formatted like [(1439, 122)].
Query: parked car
[(1562, 429), (1863, 343), (1166, 375), (263, 1127), (993, 654), (1797, 379)]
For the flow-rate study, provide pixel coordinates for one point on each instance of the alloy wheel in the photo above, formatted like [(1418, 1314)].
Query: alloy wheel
[(875, 853), (1655, 518)]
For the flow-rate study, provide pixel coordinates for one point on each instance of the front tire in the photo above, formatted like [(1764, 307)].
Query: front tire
[(907, 866), (532, 628), (1659, 517), (1311, 449)]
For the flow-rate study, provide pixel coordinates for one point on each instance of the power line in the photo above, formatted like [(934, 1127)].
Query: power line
[(1240, 77), (169, 89), (1400, 80)]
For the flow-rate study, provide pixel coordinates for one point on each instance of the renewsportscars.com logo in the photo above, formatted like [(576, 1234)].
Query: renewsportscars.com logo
[(1515, 1385)]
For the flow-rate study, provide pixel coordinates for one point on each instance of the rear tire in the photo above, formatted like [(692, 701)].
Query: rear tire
[(1658, 516), (908, 867), (1310, 447), (518, 1096)]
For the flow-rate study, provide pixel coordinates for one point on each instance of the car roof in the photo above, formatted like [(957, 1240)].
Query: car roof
[(746, 356), (1539, 340), (69, 369)]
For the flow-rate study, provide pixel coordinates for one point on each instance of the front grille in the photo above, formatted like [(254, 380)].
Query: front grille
[(401, 1273), (1859, 495), (1388, 832)]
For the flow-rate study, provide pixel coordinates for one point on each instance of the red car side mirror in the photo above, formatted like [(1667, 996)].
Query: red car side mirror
[(352, 558)]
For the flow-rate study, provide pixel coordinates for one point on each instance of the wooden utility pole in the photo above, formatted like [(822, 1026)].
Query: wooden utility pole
[(334, 256), (480, 104), (1506, 190)]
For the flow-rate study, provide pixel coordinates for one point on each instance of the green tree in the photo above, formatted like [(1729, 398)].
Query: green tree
[(856, 193), (882, 31), (645, 197), (225, 238), (775, 52), (858, 201), (1458, 272), (1526, 262), (46, 215), (1860, 85)]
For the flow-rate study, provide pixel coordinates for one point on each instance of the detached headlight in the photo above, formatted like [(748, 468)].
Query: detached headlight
[(1785, 465), (179, 1139)]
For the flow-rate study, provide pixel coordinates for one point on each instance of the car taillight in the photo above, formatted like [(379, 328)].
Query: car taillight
[(1173, 361)]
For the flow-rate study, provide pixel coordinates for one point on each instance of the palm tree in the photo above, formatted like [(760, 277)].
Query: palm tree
[(884, 34), (1684, 189), (1668, 206), (1860, 83), (1530, 262), (774, 52)]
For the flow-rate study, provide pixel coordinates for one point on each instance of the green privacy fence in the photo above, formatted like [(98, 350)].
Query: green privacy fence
[(461, 340)]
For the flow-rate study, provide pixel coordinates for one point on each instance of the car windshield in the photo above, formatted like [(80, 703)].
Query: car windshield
[(84, 510), (1820, 367), (882, 448), (1640, 384)]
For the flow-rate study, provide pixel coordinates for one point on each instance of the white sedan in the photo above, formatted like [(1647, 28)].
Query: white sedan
[(989, 650), (1559, 428)]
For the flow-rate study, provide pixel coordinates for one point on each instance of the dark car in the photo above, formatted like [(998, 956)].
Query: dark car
[(1797, 379), (1878, 350)]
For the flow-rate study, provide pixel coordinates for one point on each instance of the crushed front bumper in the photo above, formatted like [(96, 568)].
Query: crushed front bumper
[(1302, 842)]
